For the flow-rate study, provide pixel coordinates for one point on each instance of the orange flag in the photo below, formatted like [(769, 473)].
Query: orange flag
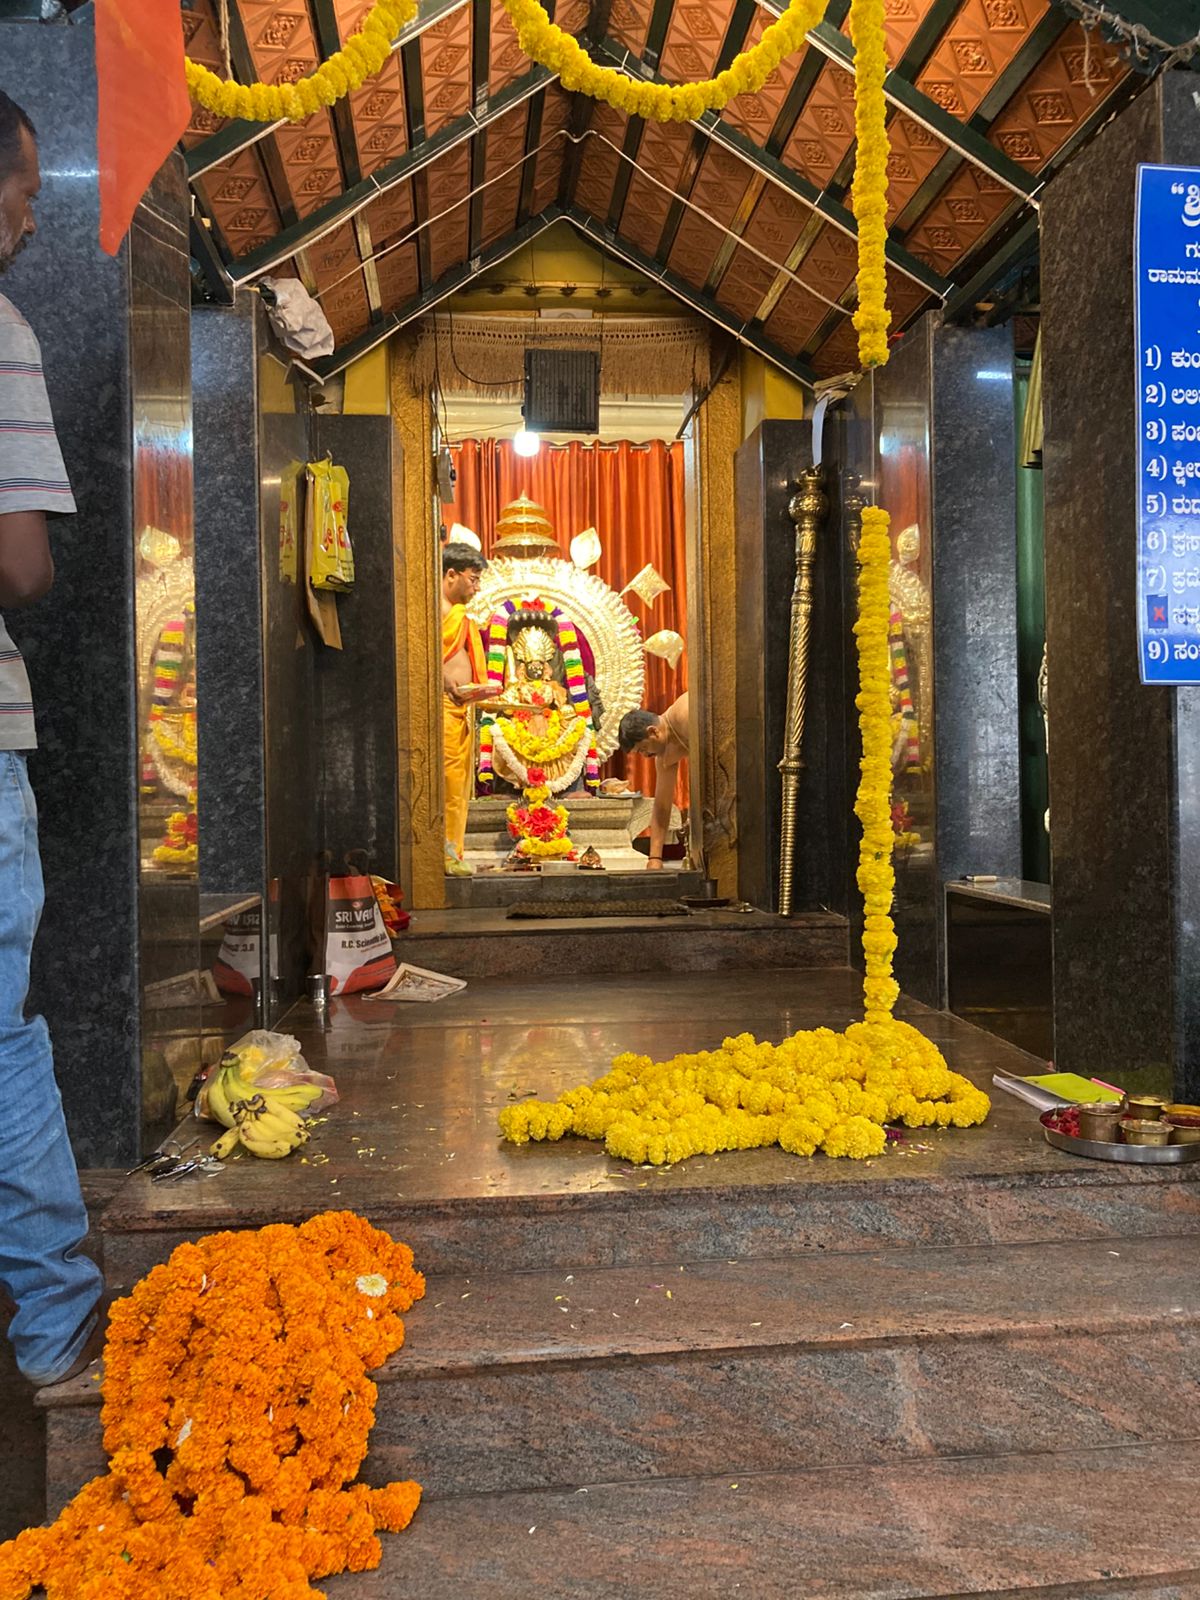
[(144, 105)]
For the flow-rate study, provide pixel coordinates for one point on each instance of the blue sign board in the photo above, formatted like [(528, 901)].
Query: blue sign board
[(1167, 306)]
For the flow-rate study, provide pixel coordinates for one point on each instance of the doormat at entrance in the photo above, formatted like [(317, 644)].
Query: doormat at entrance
[(541, 909)]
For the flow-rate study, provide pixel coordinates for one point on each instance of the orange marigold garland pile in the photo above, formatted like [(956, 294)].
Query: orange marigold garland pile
[(237, 1409)]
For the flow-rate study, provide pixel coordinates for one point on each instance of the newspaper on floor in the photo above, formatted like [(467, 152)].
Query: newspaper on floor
[(415, 983)]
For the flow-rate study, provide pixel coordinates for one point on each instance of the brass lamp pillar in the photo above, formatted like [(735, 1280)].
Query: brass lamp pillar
[(807, 510)]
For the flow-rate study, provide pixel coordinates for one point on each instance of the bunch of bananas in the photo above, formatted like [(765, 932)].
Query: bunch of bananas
[(264, 1125), (267, 1122)]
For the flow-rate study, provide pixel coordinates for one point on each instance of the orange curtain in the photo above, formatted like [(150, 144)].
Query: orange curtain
[(633, 495)]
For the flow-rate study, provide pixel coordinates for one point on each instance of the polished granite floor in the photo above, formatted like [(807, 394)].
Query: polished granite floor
[(421, 1085)]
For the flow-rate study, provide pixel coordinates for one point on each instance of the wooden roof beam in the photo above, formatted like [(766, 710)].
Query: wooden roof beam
[(800, 187), (449, 283), (237, 135), (415, 160), (613, 245)]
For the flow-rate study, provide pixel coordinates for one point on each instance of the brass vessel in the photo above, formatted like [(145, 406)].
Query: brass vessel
[(1142, 1130), (1149, 1107), (1100, 1121)]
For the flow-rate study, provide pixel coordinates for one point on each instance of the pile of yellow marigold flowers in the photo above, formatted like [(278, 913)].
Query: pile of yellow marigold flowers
[(818, 1090), (237, 1409)]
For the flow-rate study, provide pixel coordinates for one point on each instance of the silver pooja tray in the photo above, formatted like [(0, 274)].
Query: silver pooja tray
[(1143, 1155)]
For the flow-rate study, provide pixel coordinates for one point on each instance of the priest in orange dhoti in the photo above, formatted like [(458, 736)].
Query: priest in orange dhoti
[(464, 680)]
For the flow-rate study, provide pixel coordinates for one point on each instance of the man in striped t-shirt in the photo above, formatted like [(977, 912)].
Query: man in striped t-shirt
[(57, 1327)]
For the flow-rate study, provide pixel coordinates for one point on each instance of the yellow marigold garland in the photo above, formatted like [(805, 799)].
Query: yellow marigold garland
[(360, 58), (237, 1408), (818, 1090), (869, 196), (560, 739), (561, 52), (873, 804)]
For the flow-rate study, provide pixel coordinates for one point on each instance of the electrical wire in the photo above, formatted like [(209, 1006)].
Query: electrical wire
[(590, 133), (1139, 39)]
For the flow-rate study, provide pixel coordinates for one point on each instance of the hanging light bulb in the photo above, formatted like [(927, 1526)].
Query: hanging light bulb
[(526, 443)]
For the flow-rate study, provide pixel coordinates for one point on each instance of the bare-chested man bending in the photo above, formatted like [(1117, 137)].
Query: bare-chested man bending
[(664, 739)]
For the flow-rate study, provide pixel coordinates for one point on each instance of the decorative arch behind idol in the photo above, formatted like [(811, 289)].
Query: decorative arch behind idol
[(634, 496)]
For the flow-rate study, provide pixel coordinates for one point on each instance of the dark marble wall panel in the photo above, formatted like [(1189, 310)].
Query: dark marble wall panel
[(1187, 895), (98, 319), (975, 602), (1113, 794), (849, 456), (768, 472), (767, 469), (229, 644), (168, 931), (293, 814), (357, 685), (903, 403)]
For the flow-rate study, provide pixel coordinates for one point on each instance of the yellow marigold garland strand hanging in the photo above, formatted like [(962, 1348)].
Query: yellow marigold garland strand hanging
[(359, 59), (562, 53), (873, 803), (869, 194), (818, 1090)]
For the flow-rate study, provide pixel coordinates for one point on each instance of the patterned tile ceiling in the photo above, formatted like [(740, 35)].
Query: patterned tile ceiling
[(461, 149)]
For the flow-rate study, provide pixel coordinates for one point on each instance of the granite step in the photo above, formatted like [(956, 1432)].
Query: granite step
[(753, 1366), (1066, 1524), (494, 889), (484, 942), (808, 1212)]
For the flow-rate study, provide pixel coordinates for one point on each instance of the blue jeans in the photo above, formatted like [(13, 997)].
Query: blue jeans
[(43, 1221)]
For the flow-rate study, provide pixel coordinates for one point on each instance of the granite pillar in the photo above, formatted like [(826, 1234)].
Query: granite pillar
[(357, 684), (114, 334), (1124, 770), (930, 438), (229, 633), (975, 641), (293, 822), (767, 473)]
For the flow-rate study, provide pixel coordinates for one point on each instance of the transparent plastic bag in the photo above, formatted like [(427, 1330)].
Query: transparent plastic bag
[(270, 1061)]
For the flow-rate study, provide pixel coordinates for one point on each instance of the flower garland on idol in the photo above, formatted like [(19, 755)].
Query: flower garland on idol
[(818, 1090), (539, 828), (237, 1409)]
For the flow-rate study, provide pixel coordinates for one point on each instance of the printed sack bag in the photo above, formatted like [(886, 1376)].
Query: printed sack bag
[(358, 951), (239, 960)]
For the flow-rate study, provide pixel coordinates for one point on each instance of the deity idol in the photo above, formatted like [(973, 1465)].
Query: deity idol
[(910, 645), (534, 722)]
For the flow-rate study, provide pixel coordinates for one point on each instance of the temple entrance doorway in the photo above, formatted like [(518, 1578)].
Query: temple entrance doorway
[(582, 612)]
